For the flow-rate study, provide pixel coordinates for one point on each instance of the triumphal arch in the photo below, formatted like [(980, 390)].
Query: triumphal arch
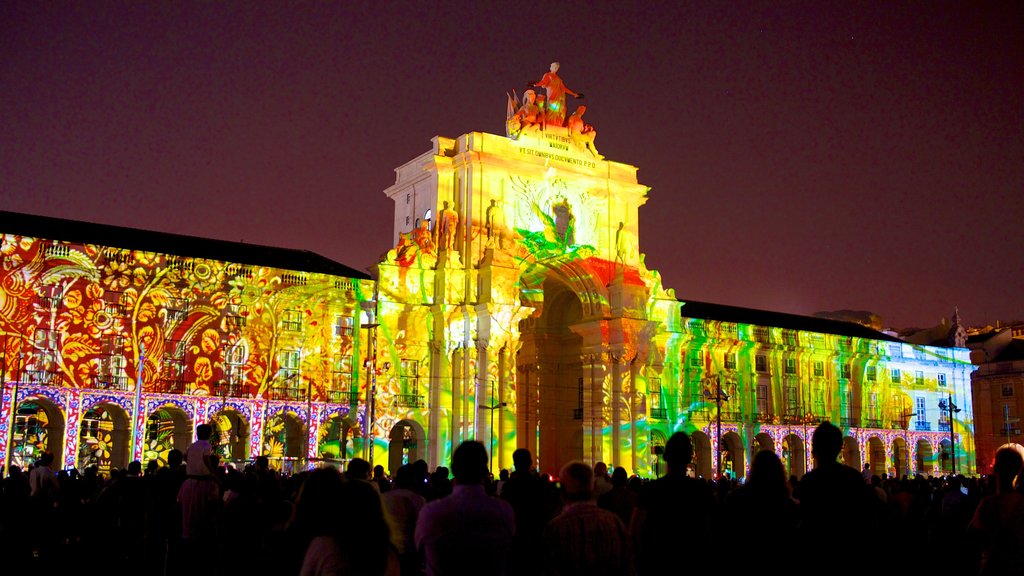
[(516, 298)]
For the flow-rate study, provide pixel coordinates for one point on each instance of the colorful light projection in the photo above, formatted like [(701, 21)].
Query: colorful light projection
[(89, 322), (541, 216)]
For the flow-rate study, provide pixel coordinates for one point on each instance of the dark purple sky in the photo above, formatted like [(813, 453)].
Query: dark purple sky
[(802, 157)]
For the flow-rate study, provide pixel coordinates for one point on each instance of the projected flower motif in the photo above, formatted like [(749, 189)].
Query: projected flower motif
[(117, 276), (206, 276), (101, 445), (98, 320), (273, 448)]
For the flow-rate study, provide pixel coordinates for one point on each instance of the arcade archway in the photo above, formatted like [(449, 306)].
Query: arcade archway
[(230, 436), (167, 428), (104, 438), (876, 456), (284, 441), (851, 453), (405, 444), (793, 456), (38, 428), (337, 440), (701, 454), (557, 381)]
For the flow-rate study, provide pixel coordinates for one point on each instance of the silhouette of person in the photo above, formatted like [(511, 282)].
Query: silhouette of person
[(467, 532), (998, 522), (833, 497), (529, 497), (673, 515), (583, 538)]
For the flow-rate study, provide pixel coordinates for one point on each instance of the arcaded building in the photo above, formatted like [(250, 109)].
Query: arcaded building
[(516, 308)]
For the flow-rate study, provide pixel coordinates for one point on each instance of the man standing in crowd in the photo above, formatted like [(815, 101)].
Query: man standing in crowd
[(585, 539), (467, 532)]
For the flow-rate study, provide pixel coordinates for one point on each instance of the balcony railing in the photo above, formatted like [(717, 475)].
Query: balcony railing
[(659, 414), (923, 426), (112, 383), (229, 390), (342, 396), (873, 423), (848, 422), (172, 386), (732, 415), (288, 394), (943, 426), (409, 400), (42, 377)]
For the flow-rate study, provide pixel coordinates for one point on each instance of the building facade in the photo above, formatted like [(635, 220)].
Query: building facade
[(998, 391), (516, 308)]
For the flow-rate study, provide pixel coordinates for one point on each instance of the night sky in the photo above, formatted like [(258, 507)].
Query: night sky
[(802, 157)]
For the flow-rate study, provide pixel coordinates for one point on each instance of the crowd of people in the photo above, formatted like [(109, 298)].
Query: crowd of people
[(195, 516)]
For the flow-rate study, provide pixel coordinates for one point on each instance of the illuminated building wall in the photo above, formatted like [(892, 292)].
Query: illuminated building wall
[(117, 342), (517, 290), (515, 308)]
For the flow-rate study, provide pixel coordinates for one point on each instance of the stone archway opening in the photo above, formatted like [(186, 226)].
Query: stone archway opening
[(38, 428), (762, 442), (337, 440), (284, 441), (657, 452), (104, 438), (230, 436), (945, 457), (924, 461), (701, 465), (900, 458), (553, 393), (732, 456), (851, 453), (406, 442), (167, 428), (794, 456), (876, 456)]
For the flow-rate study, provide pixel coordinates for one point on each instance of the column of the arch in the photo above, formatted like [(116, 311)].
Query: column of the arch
[(257, 423), (313, 433), (483, 395), (507, 419), (594, 377), (6, 422), (440, 373), (72, 422), (633, 400), (620, 370)]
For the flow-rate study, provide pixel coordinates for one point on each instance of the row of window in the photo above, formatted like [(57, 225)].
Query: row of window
[(790, 366)]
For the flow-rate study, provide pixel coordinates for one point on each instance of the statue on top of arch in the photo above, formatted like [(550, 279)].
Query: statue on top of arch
[(537, 112)]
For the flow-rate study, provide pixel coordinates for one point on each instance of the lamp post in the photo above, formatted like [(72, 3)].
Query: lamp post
[(490, 441), (373, 369), (719, 397), (953, 409)]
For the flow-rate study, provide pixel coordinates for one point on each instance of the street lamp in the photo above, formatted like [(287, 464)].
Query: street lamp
[(719, 396), (373, 369), (490, 442), (953, 409)]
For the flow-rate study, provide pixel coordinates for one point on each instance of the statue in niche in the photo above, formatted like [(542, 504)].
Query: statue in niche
[(583, 135), (423, 238), (621, 244), (495, 225), (565, 223), (527, 118), (447, 225), (556, 91)]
